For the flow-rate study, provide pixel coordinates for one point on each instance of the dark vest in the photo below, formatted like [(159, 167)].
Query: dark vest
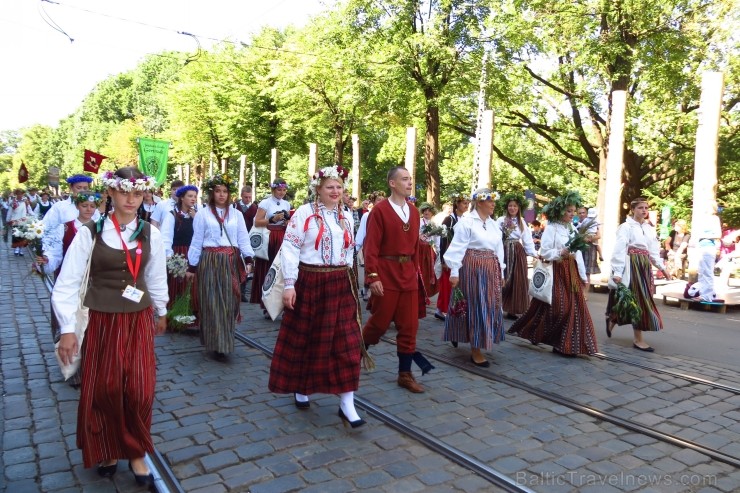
[(109, 276), (43, 209), (183, 233)]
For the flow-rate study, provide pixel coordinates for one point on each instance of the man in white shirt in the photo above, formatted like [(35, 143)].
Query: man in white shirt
[(65, 210), (165, 206)]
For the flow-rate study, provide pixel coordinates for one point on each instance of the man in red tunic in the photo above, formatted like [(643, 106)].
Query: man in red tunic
[(391, 270)]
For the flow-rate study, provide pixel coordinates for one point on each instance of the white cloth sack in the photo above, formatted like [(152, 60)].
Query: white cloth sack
[(540, 286), (82, 315), (273, 287), (259, 237)]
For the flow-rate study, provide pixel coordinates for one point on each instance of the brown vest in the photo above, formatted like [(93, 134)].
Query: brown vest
[(109, 276)]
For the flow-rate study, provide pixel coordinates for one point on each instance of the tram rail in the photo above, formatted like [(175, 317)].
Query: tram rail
[(585, 409)]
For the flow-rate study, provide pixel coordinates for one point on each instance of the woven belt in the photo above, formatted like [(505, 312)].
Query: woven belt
[(397, 258), (637, 251), (321, 268)]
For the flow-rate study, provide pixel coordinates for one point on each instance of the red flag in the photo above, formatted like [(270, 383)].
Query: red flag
[(93, 160), (22, 173)]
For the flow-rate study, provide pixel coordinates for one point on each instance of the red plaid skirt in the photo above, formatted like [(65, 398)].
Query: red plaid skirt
[(318, 347)]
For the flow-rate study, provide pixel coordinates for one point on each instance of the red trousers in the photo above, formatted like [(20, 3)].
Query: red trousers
[(399, 307)]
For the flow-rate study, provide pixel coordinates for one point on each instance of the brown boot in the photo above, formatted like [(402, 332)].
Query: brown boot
[(406, 380)]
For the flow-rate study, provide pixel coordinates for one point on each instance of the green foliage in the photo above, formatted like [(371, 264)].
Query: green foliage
[(626, 308)]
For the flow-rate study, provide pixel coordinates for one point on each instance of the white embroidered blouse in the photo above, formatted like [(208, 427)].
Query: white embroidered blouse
[(207, 232), (524, 236), (471, 232), (271, 206), (299, 244), (554, 239)]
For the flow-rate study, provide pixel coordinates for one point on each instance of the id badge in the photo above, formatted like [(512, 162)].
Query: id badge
[(133, 294)]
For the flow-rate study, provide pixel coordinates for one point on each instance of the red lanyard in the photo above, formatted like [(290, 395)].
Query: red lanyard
[(320, 220), (137, 253)]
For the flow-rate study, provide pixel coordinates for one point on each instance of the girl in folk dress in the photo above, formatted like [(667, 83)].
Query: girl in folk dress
[(635, 249), (319, 345), (19, 208), (460, 203), (518, 244), (128, 284), (427, 251), (272, 213), (473, 259), (565, 324), (220, 240), (177, 234), (147, 207)]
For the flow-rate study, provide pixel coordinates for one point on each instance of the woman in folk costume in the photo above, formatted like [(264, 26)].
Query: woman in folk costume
[(177, 234), (566, 323), (460, 203), (319, 346), (18, 210), (427, 250), (58, 244), (147, 207), (518, 244), (635, 249), (474, 258), (128, 285), (221, 255), (272, 213)]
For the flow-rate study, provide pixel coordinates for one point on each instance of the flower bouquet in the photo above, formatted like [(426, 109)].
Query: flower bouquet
[(32, 230), (626, 307), (459, 304), (429, 231), (177, 265), (508, 227)]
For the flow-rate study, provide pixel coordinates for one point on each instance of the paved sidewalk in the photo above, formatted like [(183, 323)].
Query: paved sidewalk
[(221, 430)]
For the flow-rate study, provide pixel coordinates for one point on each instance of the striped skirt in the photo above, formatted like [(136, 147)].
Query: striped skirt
[(516, 286), (262, 266), (114, 416), (642, 287), (318, 346), (176, 285), (427, 256), (480, 281), (219, 295), (566, 324), (590, 260)]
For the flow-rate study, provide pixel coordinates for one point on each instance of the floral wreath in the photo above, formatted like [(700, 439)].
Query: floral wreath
[(520, 199), (483, 196), (427, 206), (185, 189), (334, 172), (457, 197), (218, 179), (78, 179), (111, 180), (556, 208), (83, 197), (411, 199), (279, 184)]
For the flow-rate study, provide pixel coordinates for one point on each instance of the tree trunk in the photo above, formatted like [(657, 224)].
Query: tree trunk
[(338, 145), (431, 150)]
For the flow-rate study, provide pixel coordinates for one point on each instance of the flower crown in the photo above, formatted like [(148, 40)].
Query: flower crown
[(274, 185), (83, 197), (335, 172), (110, 179), (456, 197), (520, 199), (78, 178), (482, 196), (185, 189), (411, 199), (556, 208), (215, 180)]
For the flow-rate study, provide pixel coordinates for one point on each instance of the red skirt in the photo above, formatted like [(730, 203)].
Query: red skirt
[(114, 416), (516, 287), (566, 324), (427, 256), (318, 347), (445, 291)]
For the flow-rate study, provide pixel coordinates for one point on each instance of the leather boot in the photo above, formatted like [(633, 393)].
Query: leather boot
[(406, 380)]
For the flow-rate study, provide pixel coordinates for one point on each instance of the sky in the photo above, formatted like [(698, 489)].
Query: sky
[(44, 77)]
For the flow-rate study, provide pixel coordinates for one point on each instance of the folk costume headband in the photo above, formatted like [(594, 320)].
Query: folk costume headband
[(513, 196), (279, 185), (457, 197), (92, 197), (111, 180), (187, 188), (334, 172), (79, 179), (484, 195), (216, 180), (556, 208)]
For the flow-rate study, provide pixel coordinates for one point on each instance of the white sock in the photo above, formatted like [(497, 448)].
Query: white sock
[(347, 404), (301, 397)]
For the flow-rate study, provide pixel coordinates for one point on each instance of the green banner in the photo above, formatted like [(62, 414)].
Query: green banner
[(153, 158)]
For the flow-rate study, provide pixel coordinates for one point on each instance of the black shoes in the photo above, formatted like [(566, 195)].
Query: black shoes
[(142, 479), (646, 349), (221, 357), (439, 316), (302, 405), (107, 471), (482, 364), (609, 328), (511, 316), (454, 343), (346, 421)]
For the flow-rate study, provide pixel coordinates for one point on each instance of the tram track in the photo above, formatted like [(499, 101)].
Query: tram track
[(583, 408), (165, 480), (486, 472)]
